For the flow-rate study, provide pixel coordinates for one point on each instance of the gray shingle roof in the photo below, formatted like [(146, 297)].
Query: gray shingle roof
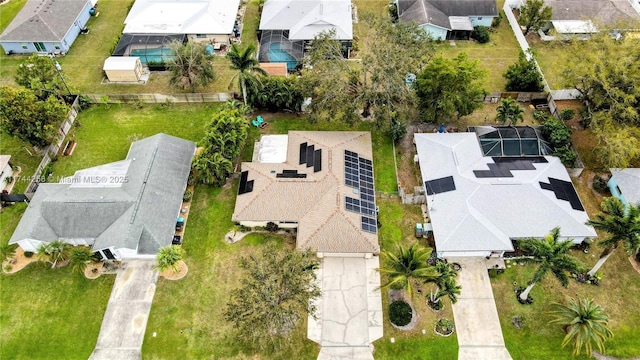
[(605, 12), (140, 215), (43, 20), (437, 12)]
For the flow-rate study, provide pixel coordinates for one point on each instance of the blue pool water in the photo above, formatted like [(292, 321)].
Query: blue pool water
[(277, 55), (156, 55)]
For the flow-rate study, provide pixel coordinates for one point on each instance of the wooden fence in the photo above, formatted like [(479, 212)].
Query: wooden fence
[(160, 98)]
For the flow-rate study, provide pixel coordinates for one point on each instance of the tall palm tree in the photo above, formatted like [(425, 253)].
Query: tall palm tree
[(623, 226), (245, 62), (191, 65), (552, 255), (406, 265), (509, 110), (585, 323), (168, 257)]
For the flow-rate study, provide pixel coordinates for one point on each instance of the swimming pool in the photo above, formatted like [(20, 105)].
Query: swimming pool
[(153, 55), (278, 55)]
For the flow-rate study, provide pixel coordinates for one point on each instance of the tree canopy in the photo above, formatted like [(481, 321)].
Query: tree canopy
[(29, 119), (38, 74), (449, 87), (274, 295), (534, 14), (523, 75), (405, 265), (509, 111), (191, 66)]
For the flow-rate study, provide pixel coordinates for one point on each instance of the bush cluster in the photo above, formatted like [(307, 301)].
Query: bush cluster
[(481, 34), (276, 93), (400, 313)]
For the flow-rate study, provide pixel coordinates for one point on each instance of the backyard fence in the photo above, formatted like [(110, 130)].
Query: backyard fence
[(160, 98), (494, 97), (53, 148)]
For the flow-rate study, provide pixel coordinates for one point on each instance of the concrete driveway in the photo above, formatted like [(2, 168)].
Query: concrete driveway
[(125, 319), (476, 317), (349, 309)]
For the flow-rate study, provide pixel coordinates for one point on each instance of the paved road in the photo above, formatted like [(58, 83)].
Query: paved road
[(476, 317), (349, 310), (125, 320)]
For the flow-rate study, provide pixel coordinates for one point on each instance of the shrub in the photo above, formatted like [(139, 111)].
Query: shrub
[(600, 184), (567, 156), (497, 20), (444, 326), (191, 179), (540, 116), (481, 34), (272, 227), (523, 75), (567, 114), (187, 196), (556, 132), (397, 130), (28, 254), (400, 313), (393, 12), (517, 321)]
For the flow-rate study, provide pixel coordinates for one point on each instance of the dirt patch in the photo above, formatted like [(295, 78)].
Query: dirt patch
[(93, 270), (170, 274), (18, 262)]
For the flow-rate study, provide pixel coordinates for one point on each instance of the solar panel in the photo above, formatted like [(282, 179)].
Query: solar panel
[(303, 153), (317, 161), (441, 185), (310, 153), (245, 186), (563, 190), (369, 224)]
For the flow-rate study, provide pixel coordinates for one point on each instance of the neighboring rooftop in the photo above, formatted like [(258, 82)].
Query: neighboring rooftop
[(190, 17), (43, 21), (131, 204), (446, 14), (600, 12), (628, 180), (479, 203), (304, 19), (325, 186)]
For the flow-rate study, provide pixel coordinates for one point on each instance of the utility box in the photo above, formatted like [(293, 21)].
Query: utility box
[(419, 230)]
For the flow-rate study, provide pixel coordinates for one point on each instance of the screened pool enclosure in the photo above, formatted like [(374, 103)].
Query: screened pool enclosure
[(275, 47), (512, 141), (152, 49)]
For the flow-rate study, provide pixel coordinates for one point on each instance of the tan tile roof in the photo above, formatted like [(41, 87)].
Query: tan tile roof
[(315, 202)]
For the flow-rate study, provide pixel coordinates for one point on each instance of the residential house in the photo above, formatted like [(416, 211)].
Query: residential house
[(125, 209), (479, 204), (625, 185), (46, 26), (320, 183), (287, 27), (6, 171), (448, 19)]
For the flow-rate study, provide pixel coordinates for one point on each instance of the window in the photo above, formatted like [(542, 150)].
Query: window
[(201, 36), (40, 46), (24, 46), (57, 47), (480, 18)]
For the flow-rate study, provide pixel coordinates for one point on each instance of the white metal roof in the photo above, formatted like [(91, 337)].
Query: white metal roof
[(120, 63), (628, 180), (182, 17), (460, 23), (574, 26), (304, 19), (483, 214)]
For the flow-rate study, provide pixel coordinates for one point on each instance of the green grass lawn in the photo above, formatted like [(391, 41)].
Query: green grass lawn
[(23, 155), (553, 57)]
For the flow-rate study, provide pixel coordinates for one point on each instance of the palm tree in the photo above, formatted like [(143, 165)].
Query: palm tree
[(7, 251), (212, 168), (623, 226), (191, 65), (168, 257), (247, 65), (584, 322), (552, 254), (54, 251), (509, 110), (405, 265), (80, 258)]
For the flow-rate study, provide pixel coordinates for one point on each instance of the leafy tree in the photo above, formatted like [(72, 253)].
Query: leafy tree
[(618, 146), (585, 323), (524, 75), (7, 251), (245, 62), (534, 15), (212, 168), (54, 251), (406, 265), (168, 257), (275, 294), (226, 133), (556, 132), (397, 130), (623, 226), (567, 156), (38, 74), (481, 34), (276, 93), (29, 119), (80, 257), (552, 255), (510, 111), (191, 66), (449, 87)]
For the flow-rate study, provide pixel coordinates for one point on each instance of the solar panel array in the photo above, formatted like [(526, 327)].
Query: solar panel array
[(246, 185), (358, 174), (563, 190), (311, 156)]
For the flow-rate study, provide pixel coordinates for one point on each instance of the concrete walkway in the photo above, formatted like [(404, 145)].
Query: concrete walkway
[(476, 317), (125, 319), (349, 316)]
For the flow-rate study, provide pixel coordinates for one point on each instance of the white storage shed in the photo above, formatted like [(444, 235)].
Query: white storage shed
[(123, 68)]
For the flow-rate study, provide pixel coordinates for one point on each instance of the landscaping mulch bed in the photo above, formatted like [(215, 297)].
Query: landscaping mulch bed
[(169, 274), (18, 262)]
